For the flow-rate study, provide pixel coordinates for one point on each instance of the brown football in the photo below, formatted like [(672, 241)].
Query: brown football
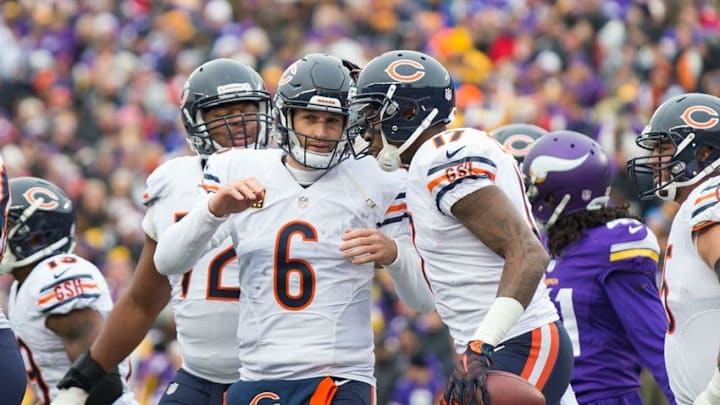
[(509, 389)]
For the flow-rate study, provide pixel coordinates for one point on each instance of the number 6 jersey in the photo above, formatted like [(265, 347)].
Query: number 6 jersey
[(305, 309)]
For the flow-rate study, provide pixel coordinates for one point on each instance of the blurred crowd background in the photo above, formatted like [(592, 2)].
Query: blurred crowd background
[(89, 95)]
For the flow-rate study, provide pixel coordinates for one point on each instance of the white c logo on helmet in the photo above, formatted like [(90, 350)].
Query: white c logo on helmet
[(48, 199), (712, 120), (288, 75), (392, 71)]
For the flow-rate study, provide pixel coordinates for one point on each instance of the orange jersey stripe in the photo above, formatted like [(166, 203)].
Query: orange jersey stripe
[(444, 177), (552, 357), (711, 195), (46, 298), (397, 207), (703, 225), (535, 342)]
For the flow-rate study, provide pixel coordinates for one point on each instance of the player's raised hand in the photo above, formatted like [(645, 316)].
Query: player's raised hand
[(237, 196), (368, 246)]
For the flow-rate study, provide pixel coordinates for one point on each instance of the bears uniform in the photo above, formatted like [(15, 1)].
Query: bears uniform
[(589, 284), (691, 294), (448, 167), (296, 285), (464, 273), (205, 299), (57, 285)]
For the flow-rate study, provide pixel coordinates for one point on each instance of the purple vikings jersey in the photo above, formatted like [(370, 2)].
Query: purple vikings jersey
[(603, 286)]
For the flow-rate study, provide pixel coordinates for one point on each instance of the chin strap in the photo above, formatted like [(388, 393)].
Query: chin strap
[(389, 156)]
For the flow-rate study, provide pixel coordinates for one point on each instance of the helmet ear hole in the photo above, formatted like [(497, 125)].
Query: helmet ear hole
[(409, 113)]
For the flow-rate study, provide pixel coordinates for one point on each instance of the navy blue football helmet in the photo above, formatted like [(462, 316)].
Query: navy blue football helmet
[(690, 125), (221, 82), (40, 223), (404, 93), (516, 139)]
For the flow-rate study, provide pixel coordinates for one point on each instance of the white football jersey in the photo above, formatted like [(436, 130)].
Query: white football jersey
[(56, 286), (205, 299), (464, 274), (305, 308), (691, 294)]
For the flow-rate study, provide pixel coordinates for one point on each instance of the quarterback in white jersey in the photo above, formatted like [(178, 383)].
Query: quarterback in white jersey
[(473, 227), (304, 327), (297, 286), (225, 104), (683, 137), (58, 300)]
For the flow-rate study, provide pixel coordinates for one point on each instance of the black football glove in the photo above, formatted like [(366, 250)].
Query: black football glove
[(470, 375), (85, 373), (107, 390)]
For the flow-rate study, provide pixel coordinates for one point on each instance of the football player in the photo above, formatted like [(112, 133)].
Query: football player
[(473, 226), (58, 300), (224, 104), (683, 137), (602, 273), (12, 371), (305, 331)]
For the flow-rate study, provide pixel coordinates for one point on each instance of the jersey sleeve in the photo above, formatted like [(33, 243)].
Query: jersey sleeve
[(157, 186), (395, 220), (458, 170), (66, 283), (706, 207), (217, 169), (632, 247)]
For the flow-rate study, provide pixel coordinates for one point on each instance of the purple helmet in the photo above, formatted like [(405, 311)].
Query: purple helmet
[(568, 172)]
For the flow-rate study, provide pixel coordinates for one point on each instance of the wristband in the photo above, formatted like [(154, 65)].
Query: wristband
[(503, 314)]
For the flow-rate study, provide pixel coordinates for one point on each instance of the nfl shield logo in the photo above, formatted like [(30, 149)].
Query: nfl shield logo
[(171, 389), (586, 195), (448, 94)]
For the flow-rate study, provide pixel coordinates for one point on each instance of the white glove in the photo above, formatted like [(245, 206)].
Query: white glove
[(70, 396), (711, 395)]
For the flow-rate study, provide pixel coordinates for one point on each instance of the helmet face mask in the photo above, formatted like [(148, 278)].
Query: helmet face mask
[(41, 223), (683, 138), (314, 88), (237, 90), (398, 95)]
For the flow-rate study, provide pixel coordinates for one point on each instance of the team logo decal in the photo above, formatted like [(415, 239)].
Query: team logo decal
[(184, 93), (700, 116), (288, 75), (265, 395), (48, 199), (517, 144), (415, 71)]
